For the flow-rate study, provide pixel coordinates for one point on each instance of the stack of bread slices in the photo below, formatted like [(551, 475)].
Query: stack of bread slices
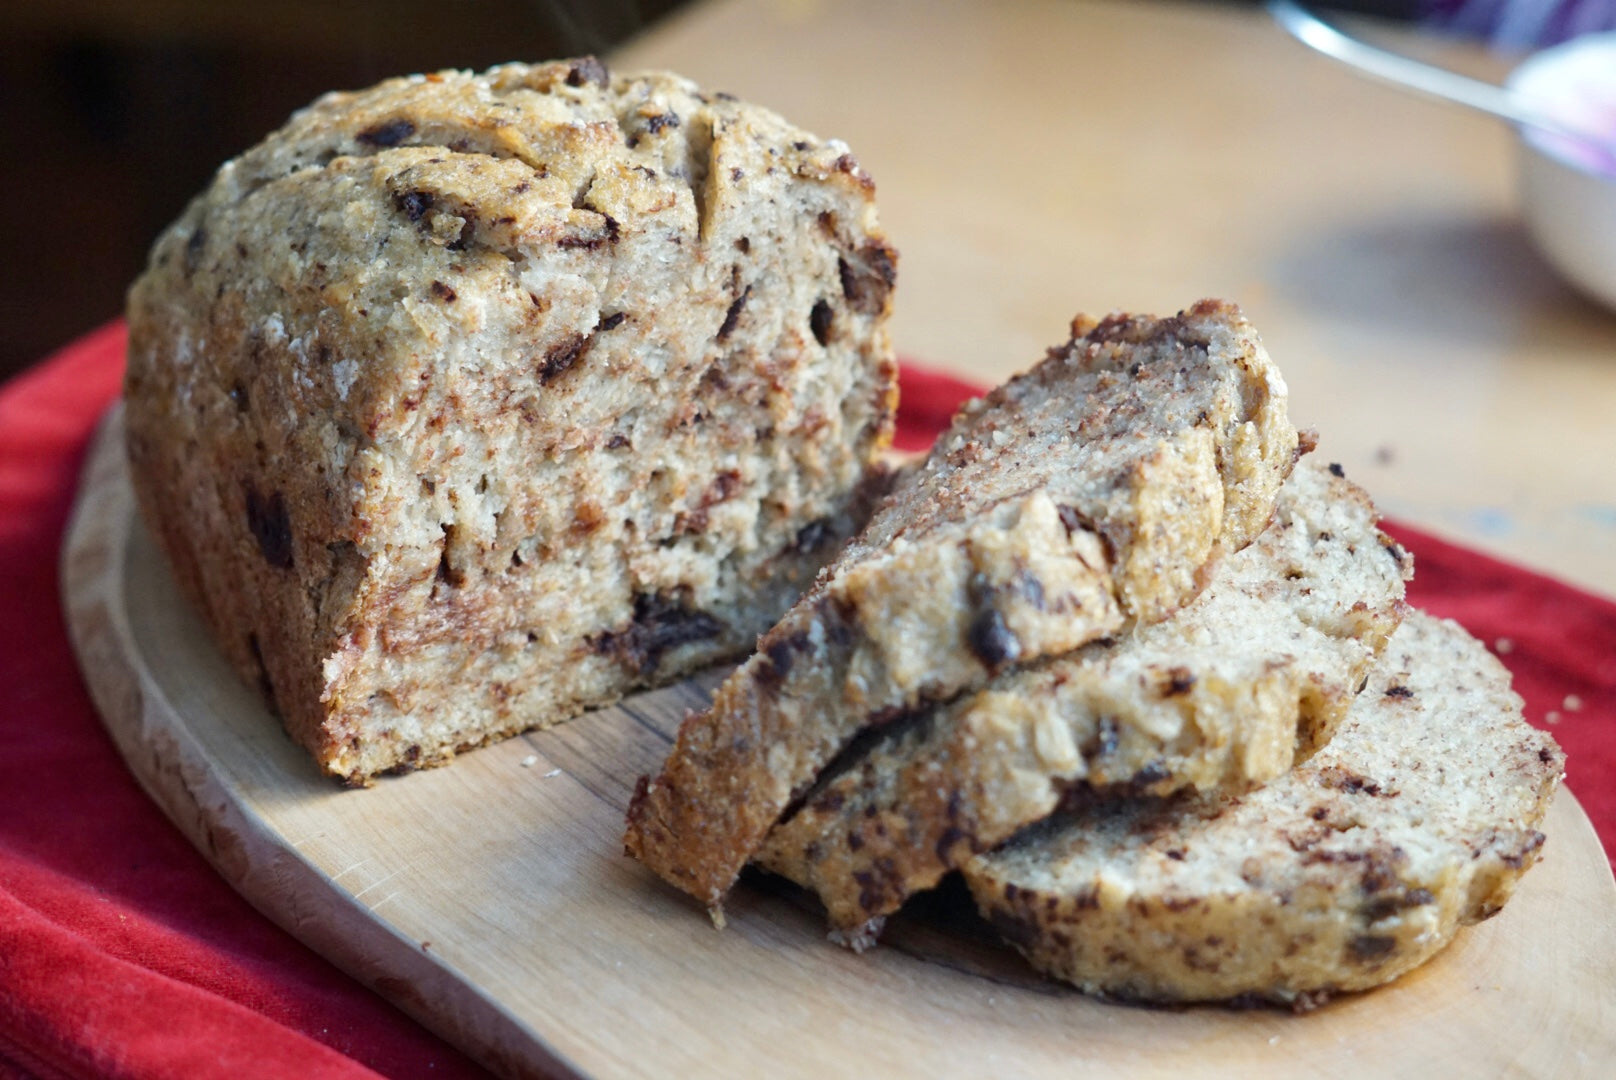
[(1136, 665)]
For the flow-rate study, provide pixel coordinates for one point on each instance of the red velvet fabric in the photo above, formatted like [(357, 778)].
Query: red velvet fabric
[(123, 954)]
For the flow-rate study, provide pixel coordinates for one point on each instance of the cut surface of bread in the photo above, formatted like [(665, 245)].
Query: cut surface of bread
[(1420, 816), (1254, 674), (469, 401), (1089, 494)]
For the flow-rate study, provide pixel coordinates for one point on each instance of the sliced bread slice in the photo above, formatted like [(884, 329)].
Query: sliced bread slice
[(1253, 675), (1419, 817), (1093, 491)]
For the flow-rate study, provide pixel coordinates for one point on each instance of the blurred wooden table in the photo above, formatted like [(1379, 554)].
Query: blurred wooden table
[(1039, 158)]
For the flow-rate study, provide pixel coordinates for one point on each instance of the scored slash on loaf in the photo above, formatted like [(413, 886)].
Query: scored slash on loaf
[(1091, 494), (1253, 675), (467, 402), (1419, 817)]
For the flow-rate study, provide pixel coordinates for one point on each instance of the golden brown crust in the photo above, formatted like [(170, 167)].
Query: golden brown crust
[(1091, 492), (1418, 818), (1253, 675), (466, 402)]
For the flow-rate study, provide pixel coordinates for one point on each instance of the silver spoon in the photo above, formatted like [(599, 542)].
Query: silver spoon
[(1498, 101)]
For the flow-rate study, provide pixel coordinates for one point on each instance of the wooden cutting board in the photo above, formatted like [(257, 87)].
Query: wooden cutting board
[(491, 900)]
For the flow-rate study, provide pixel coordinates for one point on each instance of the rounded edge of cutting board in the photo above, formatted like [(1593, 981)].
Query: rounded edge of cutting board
[(1565, 914)]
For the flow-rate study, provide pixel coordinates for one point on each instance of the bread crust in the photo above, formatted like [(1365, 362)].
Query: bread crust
[(1093, 492), (1419, 817), (1251, 677), (469, 401)]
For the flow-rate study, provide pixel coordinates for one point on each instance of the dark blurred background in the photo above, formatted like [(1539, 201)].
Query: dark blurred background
[(117, 111)]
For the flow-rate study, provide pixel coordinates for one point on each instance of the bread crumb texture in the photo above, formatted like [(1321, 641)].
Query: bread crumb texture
[(1252, 676), (466, 402), (1419, 817), (1089, 495)]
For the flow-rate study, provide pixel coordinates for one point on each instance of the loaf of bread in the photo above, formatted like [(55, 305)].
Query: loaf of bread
[(467, 402), (1092, 493), (1252, 676), (1419, 817)]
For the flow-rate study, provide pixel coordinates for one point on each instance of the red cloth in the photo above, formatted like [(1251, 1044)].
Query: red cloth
[(123, 954)]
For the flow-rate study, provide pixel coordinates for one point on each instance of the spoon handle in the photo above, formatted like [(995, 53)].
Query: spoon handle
[(1313, 32)]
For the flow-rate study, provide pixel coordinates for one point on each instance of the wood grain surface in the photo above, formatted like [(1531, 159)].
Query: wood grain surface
[(492, 901)]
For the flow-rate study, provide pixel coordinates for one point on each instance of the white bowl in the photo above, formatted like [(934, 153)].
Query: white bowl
[(1568, 189)]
